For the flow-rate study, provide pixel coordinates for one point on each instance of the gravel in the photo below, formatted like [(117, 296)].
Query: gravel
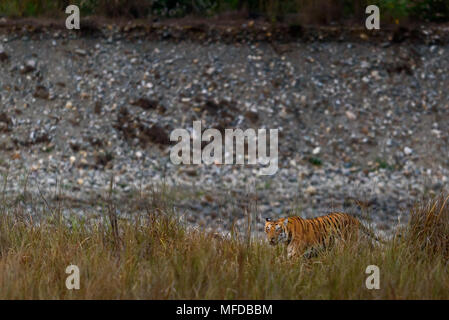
[(363, 127)]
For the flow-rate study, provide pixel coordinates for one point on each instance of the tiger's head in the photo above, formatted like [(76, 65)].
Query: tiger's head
[(276, 230)]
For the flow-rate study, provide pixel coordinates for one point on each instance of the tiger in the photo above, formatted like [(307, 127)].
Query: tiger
[(303, 236)]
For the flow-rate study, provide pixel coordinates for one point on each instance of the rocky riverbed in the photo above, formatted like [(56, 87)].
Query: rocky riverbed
[(363, 126)]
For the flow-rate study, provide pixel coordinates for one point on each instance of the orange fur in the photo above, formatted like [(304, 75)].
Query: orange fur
[(302, 234)]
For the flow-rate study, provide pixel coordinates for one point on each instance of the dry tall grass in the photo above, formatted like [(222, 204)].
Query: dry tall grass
[(154, 256)]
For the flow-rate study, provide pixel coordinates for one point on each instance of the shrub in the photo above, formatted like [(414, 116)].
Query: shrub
[(428, 229)]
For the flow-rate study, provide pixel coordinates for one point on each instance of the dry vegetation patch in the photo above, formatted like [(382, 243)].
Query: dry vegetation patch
[(155, 256)]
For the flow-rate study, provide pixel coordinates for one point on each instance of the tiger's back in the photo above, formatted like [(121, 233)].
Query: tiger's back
[(316, 231)]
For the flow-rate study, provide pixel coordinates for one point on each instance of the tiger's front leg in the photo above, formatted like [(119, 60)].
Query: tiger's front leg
[(294, 249), (291, 252)]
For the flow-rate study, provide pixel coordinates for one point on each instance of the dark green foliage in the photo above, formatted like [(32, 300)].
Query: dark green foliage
[(306, 11), (315, 161), (431, 10)]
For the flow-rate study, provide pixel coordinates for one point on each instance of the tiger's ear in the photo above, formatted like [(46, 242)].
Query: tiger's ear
[(268, 219), (285, 222)]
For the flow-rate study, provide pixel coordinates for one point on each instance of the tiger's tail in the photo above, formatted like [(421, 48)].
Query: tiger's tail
[(370, 233)]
